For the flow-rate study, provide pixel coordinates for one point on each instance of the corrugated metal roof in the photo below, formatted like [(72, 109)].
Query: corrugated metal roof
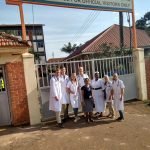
[(112, 35), (7, 40)]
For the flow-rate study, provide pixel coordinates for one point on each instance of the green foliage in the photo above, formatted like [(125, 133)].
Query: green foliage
[(109, 50), (68, 48), (144, 23)]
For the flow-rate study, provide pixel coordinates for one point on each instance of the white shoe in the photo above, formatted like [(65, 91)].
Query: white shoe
[(76, 119)]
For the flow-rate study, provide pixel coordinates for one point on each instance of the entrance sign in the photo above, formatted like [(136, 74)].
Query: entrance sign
[(108, 5)]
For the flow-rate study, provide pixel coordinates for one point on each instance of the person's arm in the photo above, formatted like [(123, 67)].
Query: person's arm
[(82, 96), (68, 88), (111, 94), (122, 94), (122, 90), (54, 90)]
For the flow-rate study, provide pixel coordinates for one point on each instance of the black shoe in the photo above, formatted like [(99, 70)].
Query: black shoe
[(91, 120), (97, 113), (120, 119), (64, 120), (101, 115), (60, 125)]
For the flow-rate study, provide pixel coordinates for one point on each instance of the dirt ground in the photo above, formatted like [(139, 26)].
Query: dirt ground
[(104, 134)]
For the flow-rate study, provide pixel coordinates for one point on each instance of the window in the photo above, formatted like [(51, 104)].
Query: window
[(19, 33), (40, 44), (39, 32)]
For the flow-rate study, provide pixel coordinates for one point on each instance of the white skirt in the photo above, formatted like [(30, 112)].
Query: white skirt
[(99, 104)]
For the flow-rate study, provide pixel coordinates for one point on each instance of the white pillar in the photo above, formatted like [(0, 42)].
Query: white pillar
[(139, 65), (31, 87)]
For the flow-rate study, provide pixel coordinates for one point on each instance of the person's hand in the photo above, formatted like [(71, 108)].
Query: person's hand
[(83, 103), (110, 98), (56, 98), (121, 98)]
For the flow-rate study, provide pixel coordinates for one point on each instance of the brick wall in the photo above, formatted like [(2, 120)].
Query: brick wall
[(147, 65), (17, 92)]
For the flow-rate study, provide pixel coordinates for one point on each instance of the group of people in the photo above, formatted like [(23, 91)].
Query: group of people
[(80, 91)]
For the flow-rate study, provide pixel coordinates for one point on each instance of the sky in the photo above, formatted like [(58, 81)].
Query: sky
[(63, 25)]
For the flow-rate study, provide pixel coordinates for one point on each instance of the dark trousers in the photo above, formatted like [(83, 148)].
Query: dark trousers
[(65, 110), (121, 113), (75, 111)]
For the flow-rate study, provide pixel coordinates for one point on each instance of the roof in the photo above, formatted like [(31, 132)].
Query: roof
[(19, 25), (111, 35), (7, 40), (51, 60)]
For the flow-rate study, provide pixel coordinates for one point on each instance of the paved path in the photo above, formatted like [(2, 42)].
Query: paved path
[(105, 134)]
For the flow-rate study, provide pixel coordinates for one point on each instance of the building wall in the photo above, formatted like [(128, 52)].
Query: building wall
[(35, 36), (17, 93), (147, 65)]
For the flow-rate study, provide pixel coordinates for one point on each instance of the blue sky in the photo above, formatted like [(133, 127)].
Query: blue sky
[(63, 25)]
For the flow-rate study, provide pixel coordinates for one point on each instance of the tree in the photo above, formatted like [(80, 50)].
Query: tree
[(144, 23), (68, 48), (110, 50), (141, 24)]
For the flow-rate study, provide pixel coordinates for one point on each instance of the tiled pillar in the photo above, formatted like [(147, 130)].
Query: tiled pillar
[(31, 86), (139, 65)]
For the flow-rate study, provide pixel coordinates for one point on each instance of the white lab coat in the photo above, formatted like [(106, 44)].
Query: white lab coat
[(81, 79), (55, 90), (81, 84), (117, 86), (65, 94), (108, 88), (98, 95), (74, 98)]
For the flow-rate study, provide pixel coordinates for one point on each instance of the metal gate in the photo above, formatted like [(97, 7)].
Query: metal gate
[(122, 65), (5, 118)]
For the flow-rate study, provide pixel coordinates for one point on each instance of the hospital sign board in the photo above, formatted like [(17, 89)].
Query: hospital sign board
[(108, 5)]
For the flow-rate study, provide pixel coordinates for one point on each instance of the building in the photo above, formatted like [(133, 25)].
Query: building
[(111, 36), (13, 96), (54, 60), (35, 37)]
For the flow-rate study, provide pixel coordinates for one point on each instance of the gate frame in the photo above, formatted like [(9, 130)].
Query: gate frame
[(7, 92)]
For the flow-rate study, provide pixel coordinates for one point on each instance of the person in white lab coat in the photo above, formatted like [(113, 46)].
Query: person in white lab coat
[(98, 95), (65, 93), (81, 77), (107, 96), (118, 95), (55, 101), (74, 95)]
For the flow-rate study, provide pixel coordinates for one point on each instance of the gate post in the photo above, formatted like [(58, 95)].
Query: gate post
[(93, 68), (139, 67), (31, 87)]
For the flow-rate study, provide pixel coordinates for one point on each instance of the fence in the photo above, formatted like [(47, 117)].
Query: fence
[(121, 65)]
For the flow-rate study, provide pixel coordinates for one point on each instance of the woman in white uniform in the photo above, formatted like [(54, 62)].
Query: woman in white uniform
[(65, 94), (118, 96), (98, 95), (55, 101), (108, 97), (74, 95)]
